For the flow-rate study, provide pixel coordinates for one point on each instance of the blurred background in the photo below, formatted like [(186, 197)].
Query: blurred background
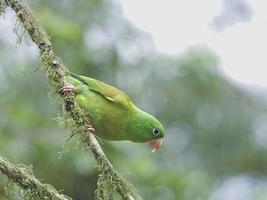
[(199, 67)]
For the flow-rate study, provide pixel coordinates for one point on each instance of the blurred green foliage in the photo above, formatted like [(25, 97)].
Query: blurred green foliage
[(215, 128)]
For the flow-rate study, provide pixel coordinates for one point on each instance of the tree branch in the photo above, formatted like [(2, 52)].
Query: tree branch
[(57, 73), (23, 176)]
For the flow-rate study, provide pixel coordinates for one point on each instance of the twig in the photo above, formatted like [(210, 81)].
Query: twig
[(57, 73), (23, 176)]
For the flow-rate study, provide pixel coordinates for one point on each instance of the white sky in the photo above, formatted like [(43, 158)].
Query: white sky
[(178, 24)]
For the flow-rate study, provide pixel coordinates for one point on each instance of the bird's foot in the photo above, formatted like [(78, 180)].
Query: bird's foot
[(66, 89), (89, 128)]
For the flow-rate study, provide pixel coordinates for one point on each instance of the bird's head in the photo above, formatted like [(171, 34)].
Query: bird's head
[(146, 128)]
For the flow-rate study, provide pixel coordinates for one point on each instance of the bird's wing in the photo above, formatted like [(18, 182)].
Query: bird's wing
[(110, 93)]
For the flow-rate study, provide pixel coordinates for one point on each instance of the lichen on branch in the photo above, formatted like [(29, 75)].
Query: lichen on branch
[(23, 176), (110, 181)]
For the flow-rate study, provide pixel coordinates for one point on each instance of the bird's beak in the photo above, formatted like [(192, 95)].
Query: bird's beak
[(155, 144)]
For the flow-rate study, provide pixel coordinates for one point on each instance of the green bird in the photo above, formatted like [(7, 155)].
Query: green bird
[(113, 115)]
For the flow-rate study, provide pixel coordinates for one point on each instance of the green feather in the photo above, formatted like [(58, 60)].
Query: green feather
[(113, 114)]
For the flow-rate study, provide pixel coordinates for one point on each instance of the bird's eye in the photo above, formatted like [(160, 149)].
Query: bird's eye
[(156, 131)]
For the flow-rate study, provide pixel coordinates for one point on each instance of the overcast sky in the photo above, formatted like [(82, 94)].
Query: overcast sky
[(235, 29)]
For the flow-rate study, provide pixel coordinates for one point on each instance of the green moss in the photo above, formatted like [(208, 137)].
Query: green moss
[(110, 184), (30, 187), (2, 6)]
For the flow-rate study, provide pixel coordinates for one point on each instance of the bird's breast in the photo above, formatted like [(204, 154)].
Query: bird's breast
[(107, 118)]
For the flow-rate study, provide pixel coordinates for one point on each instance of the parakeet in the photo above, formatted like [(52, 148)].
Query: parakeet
[(113, 115)]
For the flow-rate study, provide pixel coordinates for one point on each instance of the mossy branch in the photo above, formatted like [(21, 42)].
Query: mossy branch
[(24, 177), (57, 72)]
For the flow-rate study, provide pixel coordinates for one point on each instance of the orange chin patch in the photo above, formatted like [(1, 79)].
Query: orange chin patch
[(155, 144)]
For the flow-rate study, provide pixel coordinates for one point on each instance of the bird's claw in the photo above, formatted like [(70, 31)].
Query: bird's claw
[(89, 128), (66, 88)]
